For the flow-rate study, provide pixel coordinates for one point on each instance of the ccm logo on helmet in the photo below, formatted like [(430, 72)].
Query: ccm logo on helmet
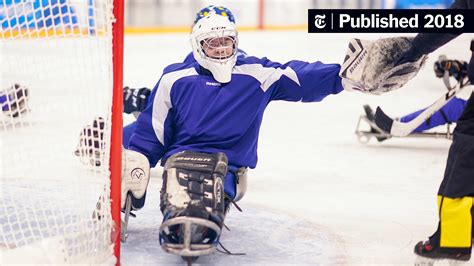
[(218, 28)]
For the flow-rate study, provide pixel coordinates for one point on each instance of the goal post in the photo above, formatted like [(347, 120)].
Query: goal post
[(117, 122), (60, 131)]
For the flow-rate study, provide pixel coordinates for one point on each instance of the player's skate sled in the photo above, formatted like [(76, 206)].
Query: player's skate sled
[(382, 127)]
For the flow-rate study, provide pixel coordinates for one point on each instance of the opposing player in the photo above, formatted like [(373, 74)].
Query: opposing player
[(447, 114), (453, 238), (202, 121)]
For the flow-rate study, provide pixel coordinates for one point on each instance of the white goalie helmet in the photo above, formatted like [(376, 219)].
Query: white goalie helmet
[(214, 41)]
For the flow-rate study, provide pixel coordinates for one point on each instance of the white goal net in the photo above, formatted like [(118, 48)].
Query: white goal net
[(56, 79)]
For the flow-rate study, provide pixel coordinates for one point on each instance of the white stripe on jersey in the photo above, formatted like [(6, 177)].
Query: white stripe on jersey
[(266, 75), (163, 95)]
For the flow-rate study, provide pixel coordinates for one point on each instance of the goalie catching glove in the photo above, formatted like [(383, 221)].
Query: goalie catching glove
[(369, 66)]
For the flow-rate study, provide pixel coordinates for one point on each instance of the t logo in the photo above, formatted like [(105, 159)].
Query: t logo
[(319, 21)]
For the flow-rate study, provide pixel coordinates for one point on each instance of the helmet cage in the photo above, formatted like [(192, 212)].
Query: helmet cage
[(218, 40)]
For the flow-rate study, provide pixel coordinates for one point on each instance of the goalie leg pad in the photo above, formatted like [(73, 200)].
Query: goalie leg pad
[(192, 202), (194, 179)]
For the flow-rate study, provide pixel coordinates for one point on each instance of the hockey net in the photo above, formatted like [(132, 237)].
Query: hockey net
[(56, 78)]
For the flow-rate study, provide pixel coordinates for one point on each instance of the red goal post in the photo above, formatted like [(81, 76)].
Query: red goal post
[(117, 122)]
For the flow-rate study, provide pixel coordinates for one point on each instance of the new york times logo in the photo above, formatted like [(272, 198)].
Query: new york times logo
[(390, 21), (320, 21)]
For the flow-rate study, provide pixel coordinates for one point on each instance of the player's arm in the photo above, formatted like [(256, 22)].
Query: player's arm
[(153, 126), (302, 81), (425, 43)]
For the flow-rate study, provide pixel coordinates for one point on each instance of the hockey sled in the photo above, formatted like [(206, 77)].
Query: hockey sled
[(365, 135), (382, 127), (187, 248)]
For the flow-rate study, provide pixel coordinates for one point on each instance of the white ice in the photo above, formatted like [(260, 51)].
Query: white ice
[(317, 196)]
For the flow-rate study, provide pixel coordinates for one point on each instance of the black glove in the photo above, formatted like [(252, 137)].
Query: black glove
[(135, 100), (455, 68)]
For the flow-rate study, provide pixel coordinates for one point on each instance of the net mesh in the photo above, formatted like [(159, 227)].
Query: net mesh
[(55, 83)]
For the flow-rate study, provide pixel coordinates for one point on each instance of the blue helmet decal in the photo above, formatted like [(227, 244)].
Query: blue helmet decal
[(219, 10)]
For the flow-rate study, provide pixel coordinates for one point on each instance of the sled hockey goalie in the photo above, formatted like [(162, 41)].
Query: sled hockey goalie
[(190, 127), (445, 111)]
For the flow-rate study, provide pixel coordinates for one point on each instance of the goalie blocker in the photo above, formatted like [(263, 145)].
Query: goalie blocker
[(135, 178)]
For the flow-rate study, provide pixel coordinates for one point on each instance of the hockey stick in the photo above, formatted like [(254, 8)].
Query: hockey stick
[(400, 129)]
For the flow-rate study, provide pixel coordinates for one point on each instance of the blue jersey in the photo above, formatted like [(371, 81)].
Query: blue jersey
[(130, 128), (189, 110)]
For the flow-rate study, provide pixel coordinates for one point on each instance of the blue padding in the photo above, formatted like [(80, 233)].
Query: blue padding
[(127, 133), (230, 184)]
